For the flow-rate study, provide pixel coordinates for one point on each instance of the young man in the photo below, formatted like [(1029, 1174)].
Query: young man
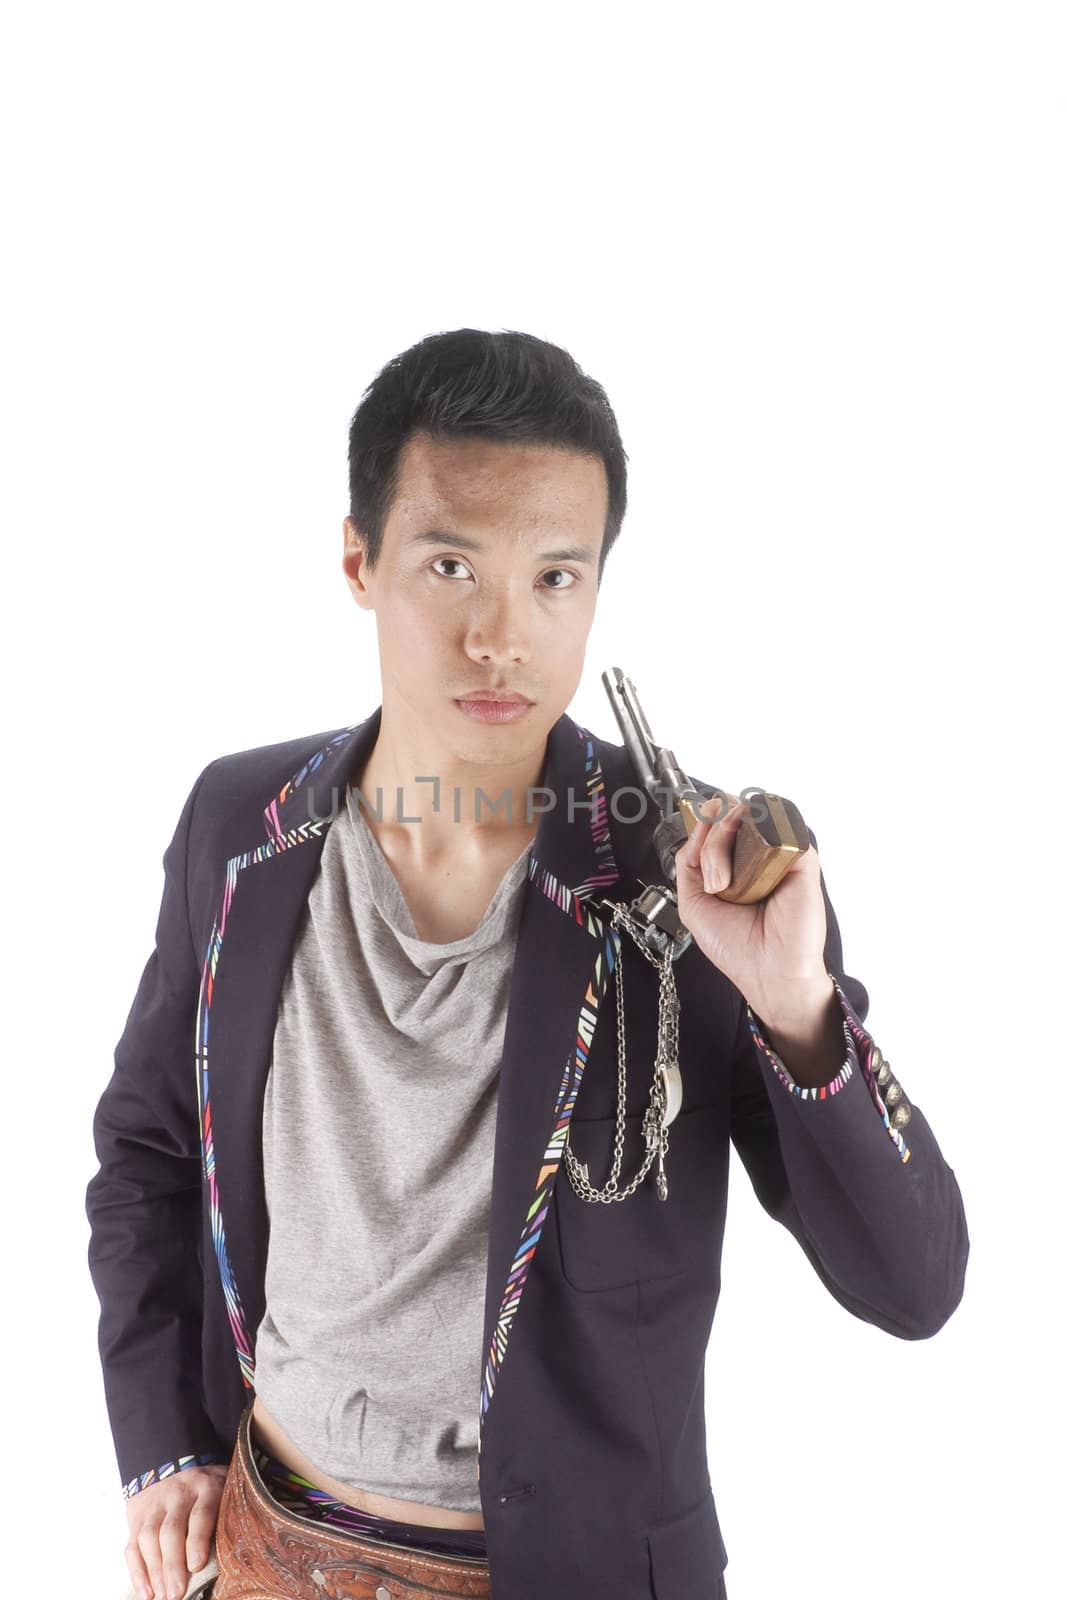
[(360, 1324)]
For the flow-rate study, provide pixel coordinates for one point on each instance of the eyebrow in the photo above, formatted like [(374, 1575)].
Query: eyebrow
[(572, 552)]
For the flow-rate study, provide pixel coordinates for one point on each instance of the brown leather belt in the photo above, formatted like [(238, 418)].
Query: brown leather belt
[(267, 1553)]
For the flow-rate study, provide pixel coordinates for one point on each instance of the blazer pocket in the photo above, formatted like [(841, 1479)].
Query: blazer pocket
[(686, 1550), (610, 1244)]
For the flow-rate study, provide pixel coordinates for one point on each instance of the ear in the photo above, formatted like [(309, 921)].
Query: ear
[(354, 564)]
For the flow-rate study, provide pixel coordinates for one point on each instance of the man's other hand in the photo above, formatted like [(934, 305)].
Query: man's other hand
[(171, 1526)]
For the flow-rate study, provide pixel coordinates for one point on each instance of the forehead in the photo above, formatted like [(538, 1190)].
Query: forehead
[(477, 479)]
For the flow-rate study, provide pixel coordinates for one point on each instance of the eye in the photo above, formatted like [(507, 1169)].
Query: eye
[(454, 559), (563, 572)]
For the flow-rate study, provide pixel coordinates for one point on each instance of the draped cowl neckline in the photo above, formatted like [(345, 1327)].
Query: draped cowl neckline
[(499, 920)]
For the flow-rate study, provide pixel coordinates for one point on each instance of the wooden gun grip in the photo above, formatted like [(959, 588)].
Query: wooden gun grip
[(765, 847)]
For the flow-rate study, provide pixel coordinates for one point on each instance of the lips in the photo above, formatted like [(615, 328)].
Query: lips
[(503, 697), (494, 706)]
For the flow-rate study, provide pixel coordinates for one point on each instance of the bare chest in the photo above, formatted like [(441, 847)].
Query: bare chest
[(449, 902)]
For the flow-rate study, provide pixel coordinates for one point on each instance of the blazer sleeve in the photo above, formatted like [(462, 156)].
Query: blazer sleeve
[(860, 1183), (144, 1208)]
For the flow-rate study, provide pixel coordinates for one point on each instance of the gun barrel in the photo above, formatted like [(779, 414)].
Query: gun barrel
[(632, 725), (658, 769)]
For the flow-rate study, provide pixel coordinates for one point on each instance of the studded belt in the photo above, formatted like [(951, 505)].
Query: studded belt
[(265, 1552)]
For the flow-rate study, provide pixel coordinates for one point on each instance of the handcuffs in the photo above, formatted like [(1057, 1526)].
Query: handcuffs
[(771, 836)]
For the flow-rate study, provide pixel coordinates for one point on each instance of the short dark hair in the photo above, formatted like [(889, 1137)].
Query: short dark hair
[(507, 386)]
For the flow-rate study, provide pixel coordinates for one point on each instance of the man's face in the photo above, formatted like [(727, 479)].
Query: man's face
[(487, 579)]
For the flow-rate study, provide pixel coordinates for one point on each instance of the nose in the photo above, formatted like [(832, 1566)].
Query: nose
[(498, 633)]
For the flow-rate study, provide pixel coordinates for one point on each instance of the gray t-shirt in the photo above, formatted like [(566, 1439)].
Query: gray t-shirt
[(378, 1132)]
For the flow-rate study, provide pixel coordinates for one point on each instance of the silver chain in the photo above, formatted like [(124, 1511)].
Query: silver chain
[(654, 1127)]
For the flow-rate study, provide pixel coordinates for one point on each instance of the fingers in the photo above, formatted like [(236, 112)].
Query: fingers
[(146, 1542), (710, 848), (161, 1546), (140, 1578), (171, 1531), (202, 1521)]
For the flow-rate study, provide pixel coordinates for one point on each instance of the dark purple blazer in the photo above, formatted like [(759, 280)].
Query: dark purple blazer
[(592, 1464)]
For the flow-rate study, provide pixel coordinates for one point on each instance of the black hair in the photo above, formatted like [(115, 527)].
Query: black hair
[(506, 386)]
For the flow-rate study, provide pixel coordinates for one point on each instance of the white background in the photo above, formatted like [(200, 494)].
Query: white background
[(815, 254)]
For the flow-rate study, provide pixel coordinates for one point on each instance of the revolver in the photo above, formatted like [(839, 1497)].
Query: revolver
[(771, 836)]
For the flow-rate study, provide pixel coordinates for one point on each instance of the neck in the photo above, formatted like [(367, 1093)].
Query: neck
[(433, 801)]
